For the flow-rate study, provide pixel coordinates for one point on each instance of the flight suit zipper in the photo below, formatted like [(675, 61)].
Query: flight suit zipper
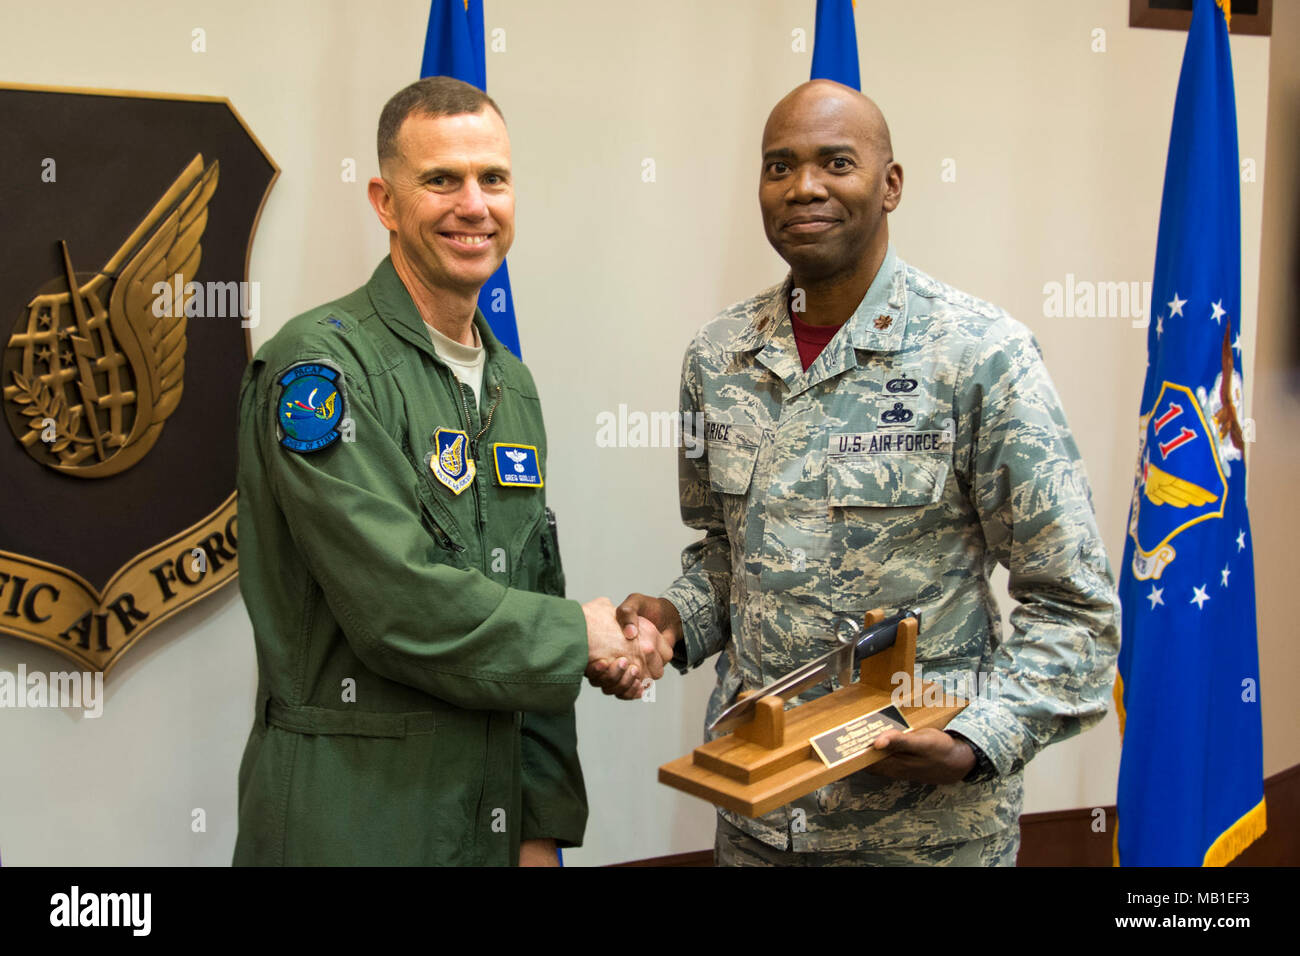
[(461, 389), (470, 421), (550, 526), (472, 451), (487, 423), (551, 578)]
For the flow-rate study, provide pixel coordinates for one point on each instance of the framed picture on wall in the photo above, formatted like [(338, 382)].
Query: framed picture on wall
[(1249, 17)]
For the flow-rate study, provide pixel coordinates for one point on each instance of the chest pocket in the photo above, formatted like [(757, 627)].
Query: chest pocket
[(885, 481)]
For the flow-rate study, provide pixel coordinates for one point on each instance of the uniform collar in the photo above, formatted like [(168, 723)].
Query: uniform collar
[(877, 325), (880, 319), (395, 306)]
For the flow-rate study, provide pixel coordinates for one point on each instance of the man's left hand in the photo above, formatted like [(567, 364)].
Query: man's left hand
[(538, 853), (923, 756)]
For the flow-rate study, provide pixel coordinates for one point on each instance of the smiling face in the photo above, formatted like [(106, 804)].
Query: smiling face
[(448, 199), (828, 181)]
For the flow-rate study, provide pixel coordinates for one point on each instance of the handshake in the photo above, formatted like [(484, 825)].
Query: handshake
[(628, 646)]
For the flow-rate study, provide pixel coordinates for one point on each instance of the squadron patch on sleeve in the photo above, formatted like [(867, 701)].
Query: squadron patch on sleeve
[(517, 465), (450, 461), (310, 407)]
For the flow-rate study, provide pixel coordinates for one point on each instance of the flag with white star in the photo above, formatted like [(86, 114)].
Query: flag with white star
[(1191, 789)]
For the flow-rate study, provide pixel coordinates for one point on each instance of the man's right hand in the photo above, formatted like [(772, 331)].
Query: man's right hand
[(615, 663), (651, 623)]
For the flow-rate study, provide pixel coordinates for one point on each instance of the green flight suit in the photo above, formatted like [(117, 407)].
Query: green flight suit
[(417, 662)]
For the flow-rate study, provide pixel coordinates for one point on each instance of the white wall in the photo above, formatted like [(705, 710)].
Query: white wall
[(1059, 155)]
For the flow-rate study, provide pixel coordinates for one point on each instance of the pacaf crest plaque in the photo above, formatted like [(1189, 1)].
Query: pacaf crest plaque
[(124, 317)]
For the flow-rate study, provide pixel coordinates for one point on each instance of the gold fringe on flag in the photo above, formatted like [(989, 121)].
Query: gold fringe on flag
[(1237, 837), (1118, 694), (1227, 847), (1226, 7)]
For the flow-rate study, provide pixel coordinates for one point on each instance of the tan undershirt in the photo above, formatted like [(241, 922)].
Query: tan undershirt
[(465, 361)]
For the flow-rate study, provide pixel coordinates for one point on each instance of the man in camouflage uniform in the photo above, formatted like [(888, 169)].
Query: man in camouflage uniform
[(892, 468)]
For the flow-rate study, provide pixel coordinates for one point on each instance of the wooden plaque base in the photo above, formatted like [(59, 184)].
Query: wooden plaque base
[(770, 761)]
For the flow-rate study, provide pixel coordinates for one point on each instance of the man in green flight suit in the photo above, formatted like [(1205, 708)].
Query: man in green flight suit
[(417, 661)]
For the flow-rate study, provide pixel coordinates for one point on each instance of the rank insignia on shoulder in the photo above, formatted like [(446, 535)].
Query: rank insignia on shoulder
[(450, 461), (517, 465), (310, 407)]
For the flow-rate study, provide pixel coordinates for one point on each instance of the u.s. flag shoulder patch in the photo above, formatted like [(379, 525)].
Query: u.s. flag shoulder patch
[(517, 465)]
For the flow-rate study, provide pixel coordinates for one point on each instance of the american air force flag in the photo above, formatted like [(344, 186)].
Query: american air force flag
[(835, 43), (1191, 772)]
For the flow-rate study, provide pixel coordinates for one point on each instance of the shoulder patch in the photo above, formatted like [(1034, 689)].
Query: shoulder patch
[(310, 406)]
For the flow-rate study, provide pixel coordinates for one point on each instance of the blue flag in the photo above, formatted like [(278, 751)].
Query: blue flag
[(835, 44), (453, 46), (1191, 779)]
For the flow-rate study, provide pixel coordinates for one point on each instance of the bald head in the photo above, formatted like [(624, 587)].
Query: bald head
[(829, 181), (831, 104)]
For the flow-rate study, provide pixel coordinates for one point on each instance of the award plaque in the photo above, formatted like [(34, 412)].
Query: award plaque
[(775, 755)]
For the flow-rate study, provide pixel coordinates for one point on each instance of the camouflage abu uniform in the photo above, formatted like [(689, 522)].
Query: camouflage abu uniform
[(925, 443)]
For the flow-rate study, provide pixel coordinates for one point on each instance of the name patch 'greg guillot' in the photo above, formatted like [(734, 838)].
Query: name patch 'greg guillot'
[(517, 465), (887, 443)]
